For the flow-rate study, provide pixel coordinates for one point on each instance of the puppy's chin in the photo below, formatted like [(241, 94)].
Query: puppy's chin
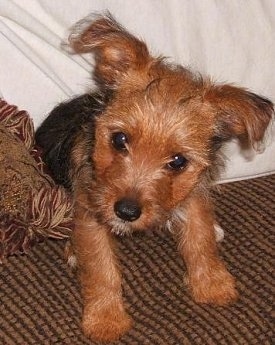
[(124, 228), (119, 227)]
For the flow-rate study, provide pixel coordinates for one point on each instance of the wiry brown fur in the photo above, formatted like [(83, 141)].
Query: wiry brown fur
[(164, 110)]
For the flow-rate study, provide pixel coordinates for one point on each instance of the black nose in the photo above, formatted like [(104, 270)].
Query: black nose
[(127, 209)]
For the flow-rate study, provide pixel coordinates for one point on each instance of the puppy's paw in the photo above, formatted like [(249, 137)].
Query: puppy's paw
[(218, 288), (106, 324)]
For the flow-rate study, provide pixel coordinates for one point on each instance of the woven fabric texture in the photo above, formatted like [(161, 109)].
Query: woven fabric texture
[(41, 304)]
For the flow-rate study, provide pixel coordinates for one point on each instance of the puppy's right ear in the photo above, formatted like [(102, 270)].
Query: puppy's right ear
[(116, 50), (240, 114)]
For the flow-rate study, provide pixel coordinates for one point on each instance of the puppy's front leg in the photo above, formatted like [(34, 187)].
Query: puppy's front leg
[(208, 278), (104, 317)]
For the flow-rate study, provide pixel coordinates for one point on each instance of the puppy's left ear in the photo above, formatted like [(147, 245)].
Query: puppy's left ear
[(240, 113)]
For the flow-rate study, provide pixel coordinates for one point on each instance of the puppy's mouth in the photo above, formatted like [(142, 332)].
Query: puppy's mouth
[(121, 228)]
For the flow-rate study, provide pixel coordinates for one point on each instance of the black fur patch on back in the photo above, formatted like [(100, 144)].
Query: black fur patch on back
[(57, 133)]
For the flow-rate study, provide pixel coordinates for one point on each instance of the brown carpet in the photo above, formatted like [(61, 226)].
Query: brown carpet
[(40, 302)]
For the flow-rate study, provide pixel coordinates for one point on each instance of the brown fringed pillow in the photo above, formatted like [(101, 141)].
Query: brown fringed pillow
[(32, 207)]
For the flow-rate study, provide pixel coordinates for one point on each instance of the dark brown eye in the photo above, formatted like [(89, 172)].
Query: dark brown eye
[(178, 162), (119, 141)]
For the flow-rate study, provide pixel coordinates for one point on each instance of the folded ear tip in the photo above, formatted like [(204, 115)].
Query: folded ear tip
[(264, 109), (90, 28), (262, 103)]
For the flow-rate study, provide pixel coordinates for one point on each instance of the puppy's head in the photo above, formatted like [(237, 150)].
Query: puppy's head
[(159, 135)]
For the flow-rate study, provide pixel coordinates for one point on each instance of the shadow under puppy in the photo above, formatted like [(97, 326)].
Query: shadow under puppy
[(141, 152)]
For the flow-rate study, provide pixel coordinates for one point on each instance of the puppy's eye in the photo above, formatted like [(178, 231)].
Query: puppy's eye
[(178, 162), (119, 141)]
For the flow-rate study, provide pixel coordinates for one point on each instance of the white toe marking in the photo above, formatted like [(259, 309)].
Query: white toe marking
[(219, 233), (72, 261)]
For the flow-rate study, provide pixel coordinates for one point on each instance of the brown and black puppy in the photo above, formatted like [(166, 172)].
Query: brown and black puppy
[(141, 152)]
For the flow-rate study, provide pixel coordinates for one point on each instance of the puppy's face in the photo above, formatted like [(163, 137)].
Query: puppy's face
[(158, 137), (152, 146)]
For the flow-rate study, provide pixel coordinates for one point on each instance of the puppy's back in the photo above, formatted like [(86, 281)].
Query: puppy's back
[(57, 133)]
